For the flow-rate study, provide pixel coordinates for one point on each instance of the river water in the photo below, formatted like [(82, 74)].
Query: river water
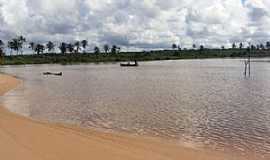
[(200, 102)]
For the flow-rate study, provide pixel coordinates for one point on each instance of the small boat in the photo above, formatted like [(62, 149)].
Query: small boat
[(135, 64), (54, 74)]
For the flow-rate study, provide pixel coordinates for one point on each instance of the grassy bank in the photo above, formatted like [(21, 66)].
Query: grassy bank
[(126, 56)]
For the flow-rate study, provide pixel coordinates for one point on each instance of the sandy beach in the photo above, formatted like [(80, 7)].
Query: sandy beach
[(25, 139)]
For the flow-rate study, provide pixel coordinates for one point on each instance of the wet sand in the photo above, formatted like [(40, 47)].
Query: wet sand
[(25, 139)]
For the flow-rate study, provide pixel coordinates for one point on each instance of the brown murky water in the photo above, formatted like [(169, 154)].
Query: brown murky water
[(203, 102)]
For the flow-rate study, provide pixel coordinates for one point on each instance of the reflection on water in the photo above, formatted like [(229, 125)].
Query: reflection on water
[(205, 102)]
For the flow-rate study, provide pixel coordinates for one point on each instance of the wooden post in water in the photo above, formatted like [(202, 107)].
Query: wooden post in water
[(247, 63)]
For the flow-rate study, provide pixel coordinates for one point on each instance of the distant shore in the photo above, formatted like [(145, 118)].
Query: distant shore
[(25, 139), (73, 58)]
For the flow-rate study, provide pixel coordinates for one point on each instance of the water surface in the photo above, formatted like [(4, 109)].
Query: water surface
[(203, 102)]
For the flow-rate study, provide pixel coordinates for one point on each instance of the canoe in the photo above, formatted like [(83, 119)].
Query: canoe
[(128, 65), (135, 64), (54, 74)]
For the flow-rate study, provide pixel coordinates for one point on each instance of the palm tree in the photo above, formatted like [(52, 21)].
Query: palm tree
[(258, 47), (118, 49), (115, 49), (10, 46), (39, 48), (96, 50), (106, 48), (50, 46), (84, 44), (179, 48), (21, 41), (32, 46), (70, 47), (241, 46), (21, 38), (262, 46), (174, 46), (267, 45), (252, 47), (2, 44), (194, 46), (222, 47), (201, 49), (63, 48), (77, 45), (233, 46), (14, 44)]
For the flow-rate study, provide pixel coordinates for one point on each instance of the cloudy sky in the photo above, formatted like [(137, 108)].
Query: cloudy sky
[(141, 24)]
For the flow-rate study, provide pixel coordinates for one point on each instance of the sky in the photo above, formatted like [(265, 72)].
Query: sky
[(137, 24)]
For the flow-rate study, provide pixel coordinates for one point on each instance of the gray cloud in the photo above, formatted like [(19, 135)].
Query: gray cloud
[(137, 24)]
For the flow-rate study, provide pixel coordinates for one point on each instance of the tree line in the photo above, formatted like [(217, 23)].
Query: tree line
[(234, 46), (17, 45)]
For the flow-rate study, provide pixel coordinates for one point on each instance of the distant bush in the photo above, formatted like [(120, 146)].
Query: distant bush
[(130, 56)]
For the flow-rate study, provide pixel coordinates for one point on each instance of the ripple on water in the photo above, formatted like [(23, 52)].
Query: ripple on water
[(202, 103)]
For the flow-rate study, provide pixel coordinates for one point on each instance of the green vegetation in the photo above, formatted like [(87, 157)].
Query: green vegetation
[(97, 57), (76, 52)]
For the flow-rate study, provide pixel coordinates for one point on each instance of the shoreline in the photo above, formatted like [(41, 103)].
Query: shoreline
[(146, 60), (24, 139), (159, 55)]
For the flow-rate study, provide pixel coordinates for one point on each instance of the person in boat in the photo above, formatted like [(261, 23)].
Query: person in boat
[(50, 73), (128, 64)]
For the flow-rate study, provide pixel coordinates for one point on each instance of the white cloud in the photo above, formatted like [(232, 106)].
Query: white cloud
[(137, 23)]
